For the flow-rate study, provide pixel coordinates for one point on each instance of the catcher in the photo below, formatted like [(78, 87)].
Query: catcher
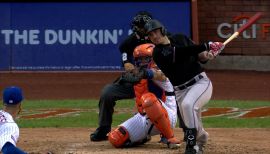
[(155, 102)]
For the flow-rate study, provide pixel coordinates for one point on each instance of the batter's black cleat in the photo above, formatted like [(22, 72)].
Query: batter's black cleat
[(100, 134), (190, 151)]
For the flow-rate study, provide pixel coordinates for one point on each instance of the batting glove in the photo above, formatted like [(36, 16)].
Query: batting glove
[(215, 48)]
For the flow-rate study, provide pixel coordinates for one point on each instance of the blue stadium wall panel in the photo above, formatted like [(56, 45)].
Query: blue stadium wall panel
[(76, 36)]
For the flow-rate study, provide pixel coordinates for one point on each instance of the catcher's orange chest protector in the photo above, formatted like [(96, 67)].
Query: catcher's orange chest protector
[(141, 88)]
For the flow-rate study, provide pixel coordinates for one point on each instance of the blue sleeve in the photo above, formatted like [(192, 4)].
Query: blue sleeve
[(9, 148)]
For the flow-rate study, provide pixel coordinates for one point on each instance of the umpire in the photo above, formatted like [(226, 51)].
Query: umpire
[(120, 89)]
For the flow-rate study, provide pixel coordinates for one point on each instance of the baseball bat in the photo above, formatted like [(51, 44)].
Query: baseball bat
[(244, 27)]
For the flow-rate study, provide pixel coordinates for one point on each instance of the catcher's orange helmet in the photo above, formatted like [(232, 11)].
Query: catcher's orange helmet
[(143, 50), (143, 54)]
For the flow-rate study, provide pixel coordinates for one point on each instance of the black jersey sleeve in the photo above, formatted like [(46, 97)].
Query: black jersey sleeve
[(188, 42), (185, 46), (190, 50)]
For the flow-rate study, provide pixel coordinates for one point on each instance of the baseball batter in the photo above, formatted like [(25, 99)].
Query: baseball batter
[(155, 101), (179, 59), (9, 130)]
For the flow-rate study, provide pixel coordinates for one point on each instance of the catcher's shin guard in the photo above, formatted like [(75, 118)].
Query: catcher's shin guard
[(118, 137), (157, 114)]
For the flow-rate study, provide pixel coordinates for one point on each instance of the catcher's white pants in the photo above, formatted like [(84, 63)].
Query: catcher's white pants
[(139, 126)]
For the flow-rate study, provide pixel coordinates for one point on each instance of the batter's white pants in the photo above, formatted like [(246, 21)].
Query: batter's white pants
[(191, 100)]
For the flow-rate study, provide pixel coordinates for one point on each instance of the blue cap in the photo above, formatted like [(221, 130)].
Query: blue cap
[(12, 95)]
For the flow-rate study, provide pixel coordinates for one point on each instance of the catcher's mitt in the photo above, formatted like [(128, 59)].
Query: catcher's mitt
[(133, 76)]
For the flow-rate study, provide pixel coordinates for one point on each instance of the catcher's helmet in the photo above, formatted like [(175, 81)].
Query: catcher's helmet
[(153, 25), (143, 54), (143, 50), (140, 19)]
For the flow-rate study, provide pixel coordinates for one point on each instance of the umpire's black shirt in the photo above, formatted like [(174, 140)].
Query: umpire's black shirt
[(128, 45), (179, 59)]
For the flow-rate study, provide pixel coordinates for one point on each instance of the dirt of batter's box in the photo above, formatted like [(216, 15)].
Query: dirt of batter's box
[(76, 141)]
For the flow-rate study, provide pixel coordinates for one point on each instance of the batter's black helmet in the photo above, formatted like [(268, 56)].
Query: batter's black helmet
[(140, 19), (153, 25)]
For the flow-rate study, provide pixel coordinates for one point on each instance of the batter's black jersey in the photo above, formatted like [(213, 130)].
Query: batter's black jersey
[(128, 45), (179, 59)]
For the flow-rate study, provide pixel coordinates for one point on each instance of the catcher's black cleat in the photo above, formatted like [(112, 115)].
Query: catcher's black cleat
[(100, 134)]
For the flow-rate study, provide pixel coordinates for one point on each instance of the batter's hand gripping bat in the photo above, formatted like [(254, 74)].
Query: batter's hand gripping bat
[(252, 20)]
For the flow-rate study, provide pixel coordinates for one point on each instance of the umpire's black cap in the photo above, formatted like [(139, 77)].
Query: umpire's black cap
[(140, 19)]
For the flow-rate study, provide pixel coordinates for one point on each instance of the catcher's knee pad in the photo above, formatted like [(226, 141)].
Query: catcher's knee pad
[(118, 137), (157, 114)]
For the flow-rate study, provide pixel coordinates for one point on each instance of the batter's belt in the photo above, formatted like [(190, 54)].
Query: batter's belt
[(189, 83)]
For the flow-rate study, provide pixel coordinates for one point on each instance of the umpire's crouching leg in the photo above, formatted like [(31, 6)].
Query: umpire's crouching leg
[(109, 95)]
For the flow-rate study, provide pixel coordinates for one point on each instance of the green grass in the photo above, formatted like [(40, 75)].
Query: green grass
[(48, 104), (228, 122), (88, 117), (84, 119), (237, 104), (224, 122)]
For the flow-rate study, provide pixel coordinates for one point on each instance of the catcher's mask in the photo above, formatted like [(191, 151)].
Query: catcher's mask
[(139, 21), (143, 54)]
